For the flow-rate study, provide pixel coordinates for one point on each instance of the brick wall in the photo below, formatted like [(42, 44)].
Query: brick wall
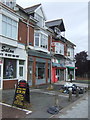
[(22, 32), (9, 84)]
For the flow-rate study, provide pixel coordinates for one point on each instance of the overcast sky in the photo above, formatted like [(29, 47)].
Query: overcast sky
[(74, 15)]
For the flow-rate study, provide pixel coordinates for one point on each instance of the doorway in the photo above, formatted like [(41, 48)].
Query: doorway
[(58, 74), (30, 73), (0, 76)]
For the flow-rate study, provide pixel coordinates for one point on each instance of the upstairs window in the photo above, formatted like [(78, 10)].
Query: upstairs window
[(9, 27), (36, 39), (70, 53), (41, 40), (59, 48)]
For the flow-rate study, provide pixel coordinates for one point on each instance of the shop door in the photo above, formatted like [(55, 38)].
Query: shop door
[(61, 74), (58, 73), (0, 76), (30, 73)]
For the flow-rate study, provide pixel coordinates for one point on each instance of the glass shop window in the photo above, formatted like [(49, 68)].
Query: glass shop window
[(40, 71), (48, 71), (9, 71)]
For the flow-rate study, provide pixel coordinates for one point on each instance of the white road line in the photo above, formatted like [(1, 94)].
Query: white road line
[(27, 111), (49, 93)]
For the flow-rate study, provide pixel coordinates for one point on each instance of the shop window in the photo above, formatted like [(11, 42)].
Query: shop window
[(40, 71), (9, 69), (21, 68), (48, 71)]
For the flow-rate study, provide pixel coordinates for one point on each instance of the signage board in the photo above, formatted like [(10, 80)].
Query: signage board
[(21, 94)]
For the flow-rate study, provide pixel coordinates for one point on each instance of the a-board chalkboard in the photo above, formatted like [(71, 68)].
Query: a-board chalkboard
[(21, 94)]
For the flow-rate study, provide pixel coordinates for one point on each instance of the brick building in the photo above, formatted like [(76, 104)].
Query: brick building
[(32, 48), (13, 56)]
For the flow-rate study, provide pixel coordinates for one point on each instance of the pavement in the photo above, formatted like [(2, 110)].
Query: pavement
[(40, 100), (78, 109)]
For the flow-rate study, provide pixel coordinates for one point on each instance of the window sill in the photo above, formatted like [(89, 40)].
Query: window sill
[(8, 38), (11, 79)]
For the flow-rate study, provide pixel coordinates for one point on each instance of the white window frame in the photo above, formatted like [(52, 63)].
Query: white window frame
[(12, 26), (58, 48), (23, 66), (40, 33)]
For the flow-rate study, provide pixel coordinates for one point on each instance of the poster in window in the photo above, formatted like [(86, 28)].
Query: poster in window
[(9, 68)]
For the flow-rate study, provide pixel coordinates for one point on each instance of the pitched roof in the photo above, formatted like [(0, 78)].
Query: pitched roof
[(56, 23), (32, 8)]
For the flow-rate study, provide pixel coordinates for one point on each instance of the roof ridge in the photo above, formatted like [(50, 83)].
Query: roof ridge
[(32, 6), (54, 20)]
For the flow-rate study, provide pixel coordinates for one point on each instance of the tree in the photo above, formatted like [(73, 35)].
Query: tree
[(81, 64)]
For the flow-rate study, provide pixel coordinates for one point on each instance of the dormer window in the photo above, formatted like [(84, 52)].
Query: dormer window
[(39, 19)]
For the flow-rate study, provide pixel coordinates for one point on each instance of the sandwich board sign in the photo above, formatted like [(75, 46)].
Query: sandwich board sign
[(22, 94)]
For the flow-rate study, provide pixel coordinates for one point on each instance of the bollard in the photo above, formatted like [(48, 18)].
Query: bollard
[(70, 94), (56, 100), (77, 92)]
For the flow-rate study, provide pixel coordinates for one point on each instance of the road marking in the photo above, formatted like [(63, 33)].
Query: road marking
[(49, 92), (27, 111)]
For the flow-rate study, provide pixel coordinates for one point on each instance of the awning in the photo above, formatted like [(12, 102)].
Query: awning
[(70, 67), (58, 65)]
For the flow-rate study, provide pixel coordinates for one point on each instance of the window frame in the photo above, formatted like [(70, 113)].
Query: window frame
[(41, 40), (23, 66), (14, 25)]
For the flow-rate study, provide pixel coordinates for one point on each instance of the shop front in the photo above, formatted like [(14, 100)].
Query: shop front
[(70, 70), (13, 65), (39, 68), (58, 72)]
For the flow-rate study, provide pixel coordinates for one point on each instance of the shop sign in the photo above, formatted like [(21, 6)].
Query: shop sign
[(5, 49), (70, 63), (8, 52), (21, 94)]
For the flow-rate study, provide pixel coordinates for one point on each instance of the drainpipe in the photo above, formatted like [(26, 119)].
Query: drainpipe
[(27, 45), (51, 59), (27, 32)]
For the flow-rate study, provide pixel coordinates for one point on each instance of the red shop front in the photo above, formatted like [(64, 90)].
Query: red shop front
[(58, 73)]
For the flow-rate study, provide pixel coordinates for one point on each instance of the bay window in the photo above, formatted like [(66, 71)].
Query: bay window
[(59, 48), (41, 40)]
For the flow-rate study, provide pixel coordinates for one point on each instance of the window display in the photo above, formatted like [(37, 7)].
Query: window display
[(9, 69), (40, 73)]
